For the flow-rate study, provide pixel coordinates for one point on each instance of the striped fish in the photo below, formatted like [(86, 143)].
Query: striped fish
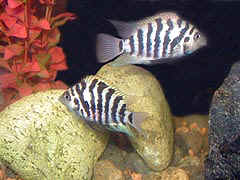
[(165, 35), (100, 104)]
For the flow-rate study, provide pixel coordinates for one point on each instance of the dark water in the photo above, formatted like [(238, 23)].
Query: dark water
[(188, 84)]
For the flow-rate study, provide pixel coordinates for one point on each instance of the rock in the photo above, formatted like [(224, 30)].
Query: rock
[(191, 133), (106, 170), (40, 139), (116, 155), (157, 148), (136, 164), (170, 173), (190, 139), (177, 155), (193, 166), (223, 160)]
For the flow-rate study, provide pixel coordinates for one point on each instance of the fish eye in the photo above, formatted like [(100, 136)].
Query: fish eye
[(197, 36), (67, 97)]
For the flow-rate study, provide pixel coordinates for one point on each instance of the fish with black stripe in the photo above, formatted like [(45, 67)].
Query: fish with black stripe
[(102, 106), (152, 40)]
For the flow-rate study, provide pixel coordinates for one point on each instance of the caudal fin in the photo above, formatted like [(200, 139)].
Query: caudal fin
[(108, 47)]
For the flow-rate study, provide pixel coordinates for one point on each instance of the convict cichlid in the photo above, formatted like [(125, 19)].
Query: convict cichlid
[(98, 103), (150, 41)]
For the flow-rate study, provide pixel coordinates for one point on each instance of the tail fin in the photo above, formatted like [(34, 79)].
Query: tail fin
[(108, 47)]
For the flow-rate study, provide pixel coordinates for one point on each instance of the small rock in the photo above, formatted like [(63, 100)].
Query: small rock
[(135, 163), (40, 139), (116, 155), (105, 170), (189, 161), (170, 173), (191, 133), (178, 155), (191, 140), (157, 148), (193, 166)]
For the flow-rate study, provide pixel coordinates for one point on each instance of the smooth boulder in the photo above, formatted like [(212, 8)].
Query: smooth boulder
[(156, 148)]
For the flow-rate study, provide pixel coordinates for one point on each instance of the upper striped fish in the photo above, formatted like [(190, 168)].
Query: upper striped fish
[(100, 104), (165, 35)]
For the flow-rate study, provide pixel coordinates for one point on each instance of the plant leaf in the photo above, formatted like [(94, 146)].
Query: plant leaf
[(5, 65), (34, 34), (53, 37), (42, 86), (9, 21), (18, 30), (25, 90), (43, 74), (14, 3), (31, 67), (58, 85), (57, 55), (44, 24), (59, 66), (12, 50), (61, 19), (8, 80), (43, 59)]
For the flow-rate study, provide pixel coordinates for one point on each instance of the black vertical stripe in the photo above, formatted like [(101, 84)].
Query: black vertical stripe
[(157, 37), (115, 107), (186, 39), (80, 87), (166, 38), (100, 88), (192, 29), (120, 46), (122, 113), (149, 43), (140, 42), (179, 22), (130, 118), (72, 92), (76, 102), (107, 107), (178, 39), (131, 43), (92, 101)]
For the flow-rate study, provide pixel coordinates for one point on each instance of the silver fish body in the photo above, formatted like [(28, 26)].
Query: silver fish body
[(100, 104), (165, 35)]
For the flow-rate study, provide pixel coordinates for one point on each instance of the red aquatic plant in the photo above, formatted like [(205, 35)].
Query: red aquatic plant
[(29, 55)]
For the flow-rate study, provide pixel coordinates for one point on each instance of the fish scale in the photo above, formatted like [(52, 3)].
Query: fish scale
[(163, 36), (97, 102)]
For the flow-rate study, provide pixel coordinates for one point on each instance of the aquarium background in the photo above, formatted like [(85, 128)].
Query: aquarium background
[(188, 83)]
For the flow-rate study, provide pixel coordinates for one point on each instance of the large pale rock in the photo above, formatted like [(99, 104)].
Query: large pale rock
[(157, 147), (40, 139)]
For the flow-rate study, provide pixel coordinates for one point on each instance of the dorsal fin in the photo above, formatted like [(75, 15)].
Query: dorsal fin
[(124, 29), (162, 15)]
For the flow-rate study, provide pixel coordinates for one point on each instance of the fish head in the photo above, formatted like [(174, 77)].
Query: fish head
[(194, 41), (67, 100)]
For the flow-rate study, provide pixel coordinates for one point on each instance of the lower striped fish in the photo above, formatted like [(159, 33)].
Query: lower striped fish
[(98, 103), (150, 41)]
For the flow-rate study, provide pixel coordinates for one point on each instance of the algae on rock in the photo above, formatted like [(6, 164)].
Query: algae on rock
[(157, 148), (40, 139)]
